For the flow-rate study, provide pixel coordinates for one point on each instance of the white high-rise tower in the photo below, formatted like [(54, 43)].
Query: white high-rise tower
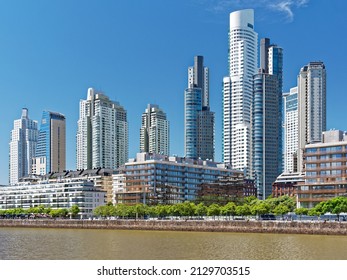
[(311, 106), (238, 90), (22, 147), (102, 136), (154, 132)]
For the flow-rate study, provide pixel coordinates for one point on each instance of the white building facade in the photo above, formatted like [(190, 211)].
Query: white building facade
[(23, 143), (154, 132), (311, 106), (102, 135), (238, 90), (55, 194), (290, 103)]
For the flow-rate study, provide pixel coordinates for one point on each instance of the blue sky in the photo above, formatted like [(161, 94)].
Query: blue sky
[(137, 52)]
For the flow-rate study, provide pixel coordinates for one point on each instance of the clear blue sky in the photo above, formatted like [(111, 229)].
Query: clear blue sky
[(138, 51)]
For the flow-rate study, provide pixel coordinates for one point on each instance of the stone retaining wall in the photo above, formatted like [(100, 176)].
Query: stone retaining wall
[(289, 227)]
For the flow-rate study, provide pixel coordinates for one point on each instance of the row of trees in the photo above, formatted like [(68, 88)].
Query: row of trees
[(42, 211), (335, 206), (251, 206)]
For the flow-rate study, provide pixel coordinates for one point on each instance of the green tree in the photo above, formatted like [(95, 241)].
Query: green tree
[(213, 210), (301, 211), (243, 210), (229, 209), (200, 209), (261, 207), (281, 209), (74, 210)]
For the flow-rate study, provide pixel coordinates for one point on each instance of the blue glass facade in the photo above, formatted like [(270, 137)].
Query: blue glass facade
[(192, 107), (43, 149), (266, 133)]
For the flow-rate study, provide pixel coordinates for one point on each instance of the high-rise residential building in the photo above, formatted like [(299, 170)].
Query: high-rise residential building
[(198, 119), (290, 107), (238, 90), (267, 119), (311, 106), (154, 132), (22, 147), (102, 135), (50, 153)]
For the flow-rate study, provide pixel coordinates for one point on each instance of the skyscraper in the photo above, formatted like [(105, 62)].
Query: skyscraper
[(267, 118), (22, 147), (290, 103), (198, 119), (311, 106), (50, 153), (192, 107), (102, 135), (266, 132), (198, 76), (238, 90), (154, 132)]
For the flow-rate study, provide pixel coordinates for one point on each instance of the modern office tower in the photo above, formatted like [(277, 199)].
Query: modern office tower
[(206, 122), (192, 107), (311, 106), (290, 103), (154, 132), (22, 147), (102, 134), (50, 153), (238, 90), (198, 119), (266, 132), (198, 76), (267, 119)]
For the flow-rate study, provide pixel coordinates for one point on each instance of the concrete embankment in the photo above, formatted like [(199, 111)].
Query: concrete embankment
[(289, 227)]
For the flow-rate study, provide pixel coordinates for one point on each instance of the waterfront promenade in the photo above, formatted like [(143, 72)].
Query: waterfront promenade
[(247, 226)]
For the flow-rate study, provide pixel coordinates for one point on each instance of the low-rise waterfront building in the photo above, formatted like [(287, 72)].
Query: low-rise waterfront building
[(229, 188), (54, 193), (158, 179), (325, 166), (287, 184)]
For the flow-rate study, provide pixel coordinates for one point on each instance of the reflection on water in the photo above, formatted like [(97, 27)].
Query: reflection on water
[(82, 244)]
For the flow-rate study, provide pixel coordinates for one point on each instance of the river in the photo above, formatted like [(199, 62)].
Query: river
[(90, 244)]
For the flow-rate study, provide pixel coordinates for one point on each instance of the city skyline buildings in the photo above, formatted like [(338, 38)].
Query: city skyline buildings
[(50, 154), (290, 103), (102, 134), (22, 147), (311, 106), (238, 91), (199, 121), (77, 65), (267, 118), (155, 131)]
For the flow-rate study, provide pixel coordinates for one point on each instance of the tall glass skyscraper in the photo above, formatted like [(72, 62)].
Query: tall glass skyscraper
[(22, 147), (154, 132), (311, 106), (50, 153), (267, 119), (238, 91), (102, 135), (192, 107), (198, 119)]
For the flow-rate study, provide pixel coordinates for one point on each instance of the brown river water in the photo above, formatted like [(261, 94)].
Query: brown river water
[(103, 244)]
